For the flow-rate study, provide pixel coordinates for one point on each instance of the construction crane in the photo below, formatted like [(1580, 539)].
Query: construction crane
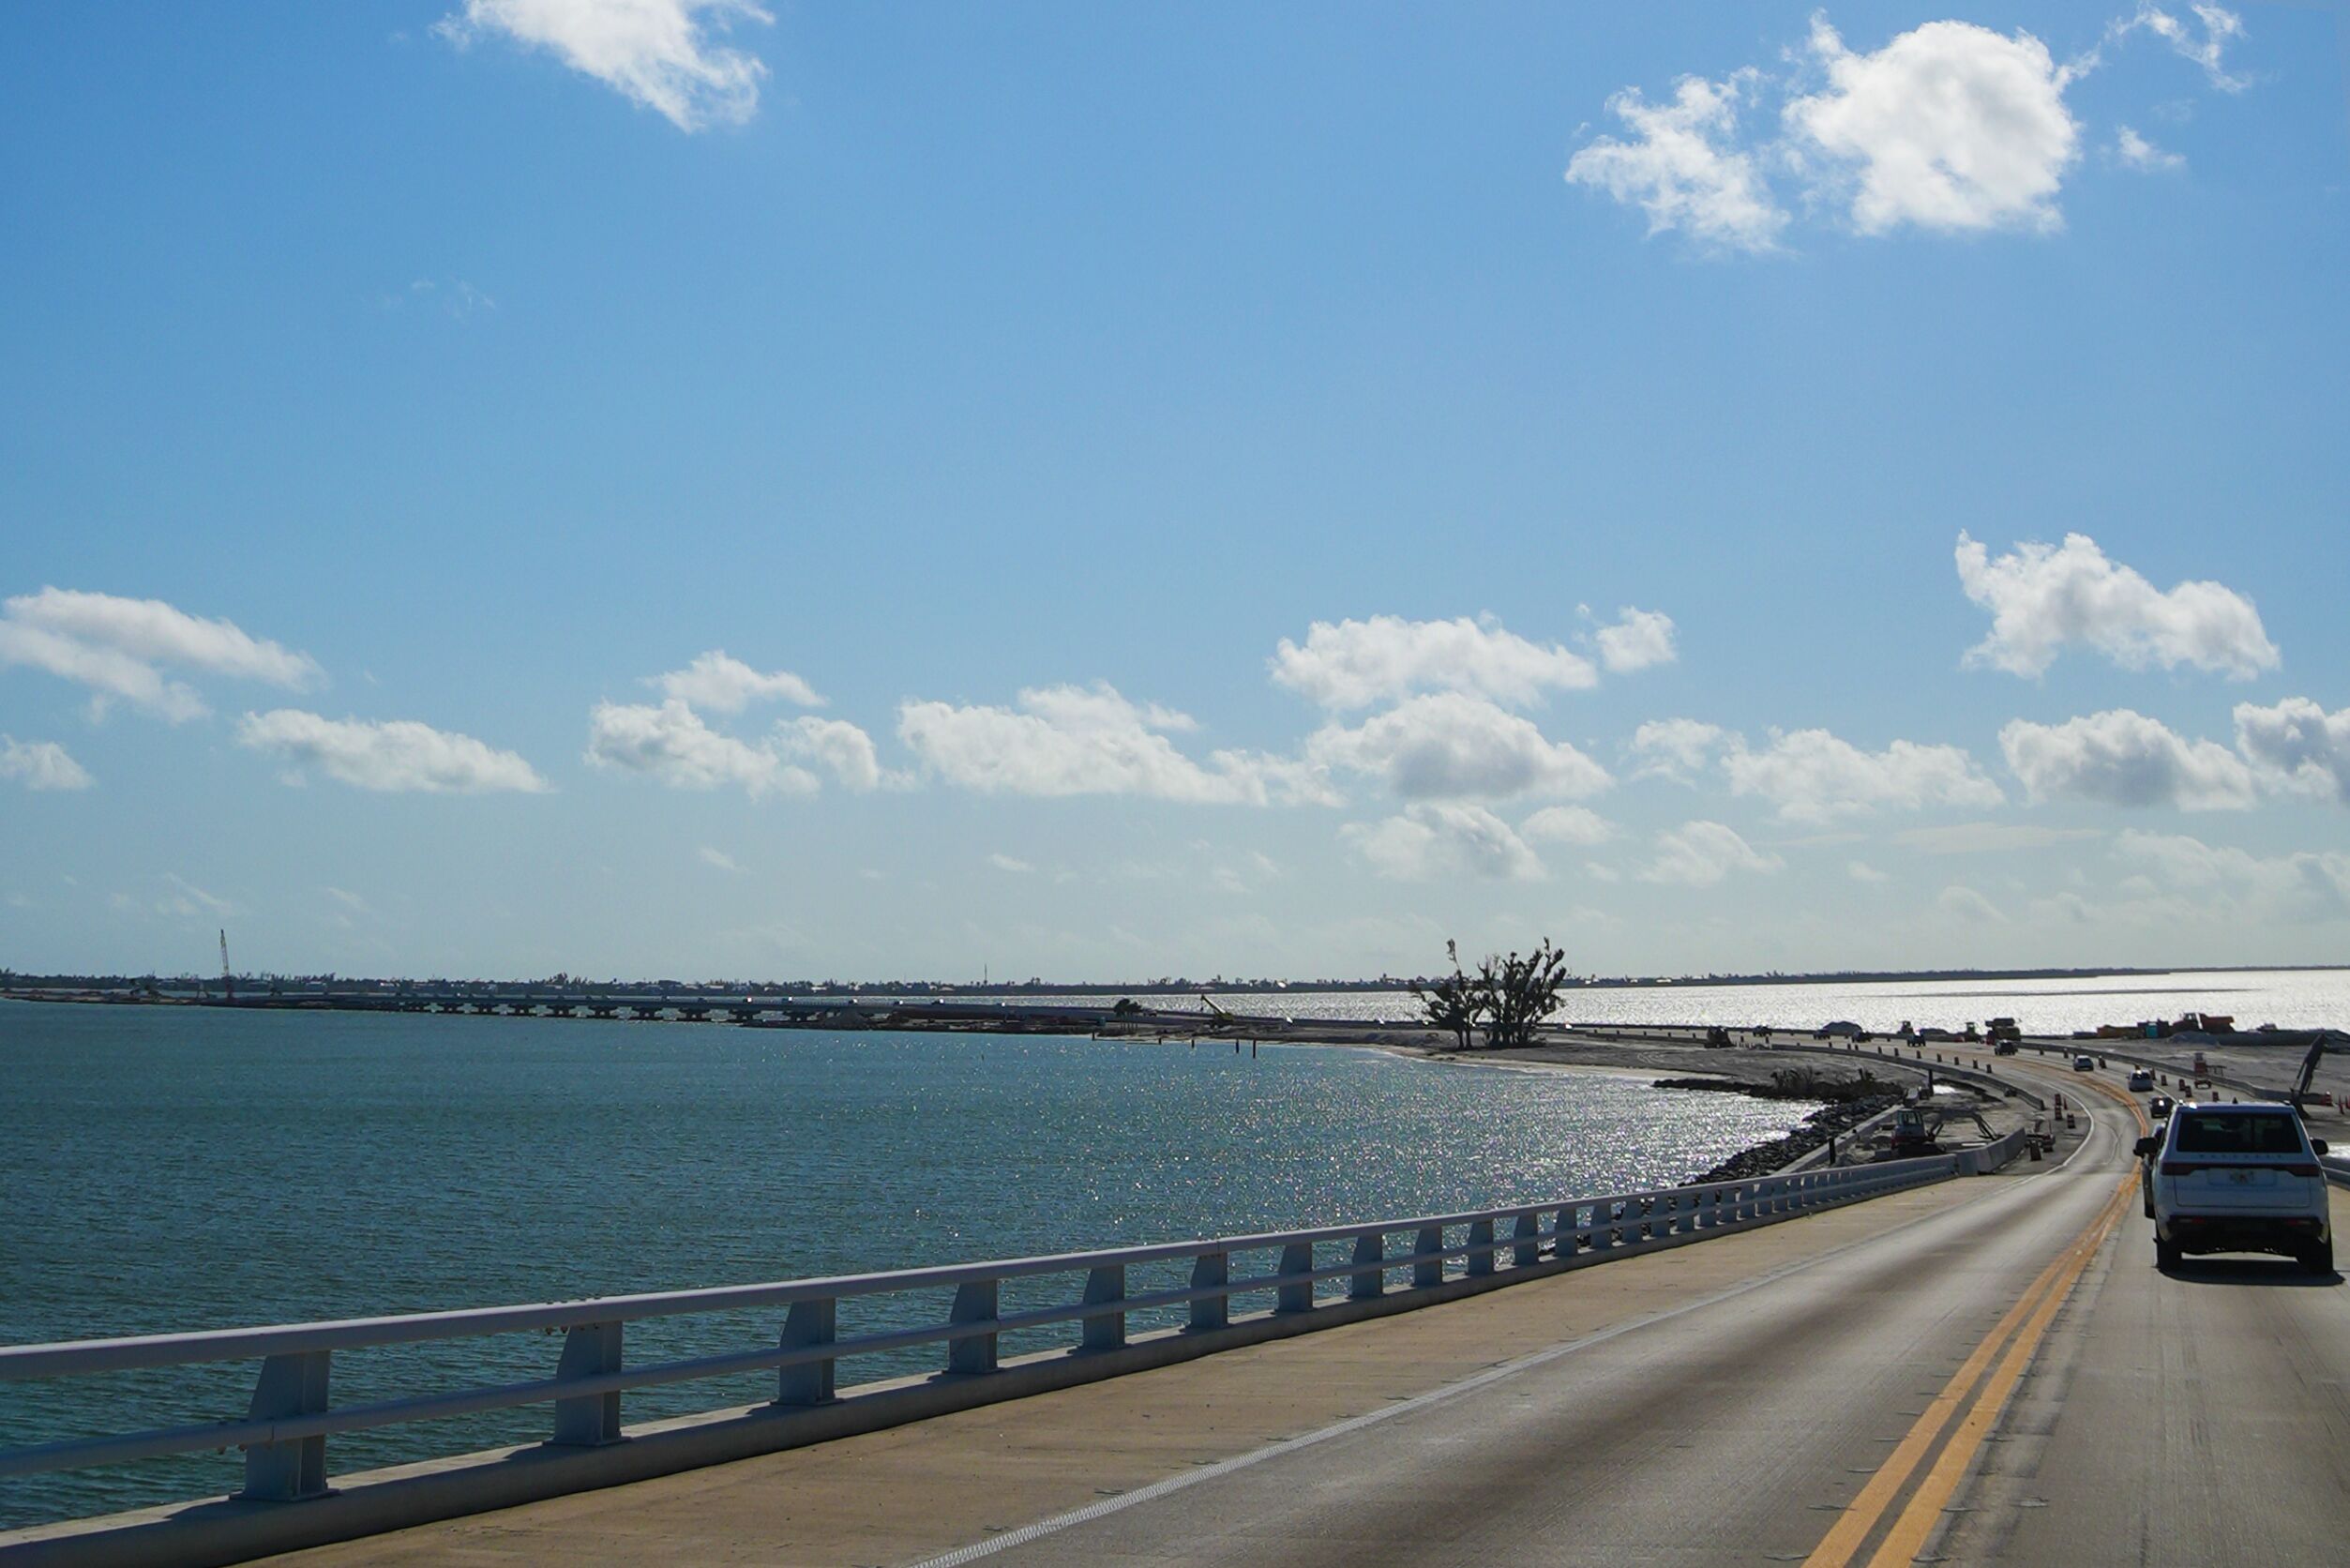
[(228, 983), (2327, 1040)]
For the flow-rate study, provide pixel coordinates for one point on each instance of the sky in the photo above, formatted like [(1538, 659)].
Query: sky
[(705, 488)]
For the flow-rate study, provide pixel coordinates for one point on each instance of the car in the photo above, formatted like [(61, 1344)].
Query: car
[(2236, 1178), (2005, 1047), (2085, 1063), (2160, 1108), (2141, 1081)]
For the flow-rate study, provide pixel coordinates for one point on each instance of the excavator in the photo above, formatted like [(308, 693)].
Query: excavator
[(2328, 1040), (1917, 1130)]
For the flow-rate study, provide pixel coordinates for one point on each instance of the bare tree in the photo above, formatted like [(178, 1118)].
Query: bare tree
[(1451, 1002), (1517, 993)]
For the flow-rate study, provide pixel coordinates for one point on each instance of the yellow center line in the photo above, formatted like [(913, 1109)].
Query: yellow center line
[(1907, 1537), (2038, 1303)]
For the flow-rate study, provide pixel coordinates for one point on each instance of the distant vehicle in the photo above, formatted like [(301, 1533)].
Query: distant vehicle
[(2003, 1029), (2085, 1063), (1841, 1029), (2160, 1108), (2005, 1047), (2236, 1178), (2141, 1081)]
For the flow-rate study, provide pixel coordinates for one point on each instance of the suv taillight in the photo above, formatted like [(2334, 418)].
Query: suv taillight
[(2180, 1168), (2303, 1170)]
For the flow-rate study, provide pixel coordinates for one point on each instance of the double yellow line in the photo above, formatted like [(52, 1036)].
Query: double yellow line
[(2010, 1345)]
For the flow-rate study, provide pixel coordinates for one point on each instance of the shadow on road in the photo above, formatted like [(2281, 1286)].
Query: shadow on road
[(2249, 1271)]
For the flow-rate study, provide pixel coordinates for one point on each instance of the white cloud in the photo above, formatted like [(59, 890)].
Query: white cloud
[(1967, 904), (40, 765), (2220, 27), (1092, 741), (720, 859), (660, 53), (1810, 775), (1989, 838), (672, 744), (1003, 862), (1449, 745), (1681, 165), (1950, 127), (2134, 151), (1639, 639), (2120, 757), (1699, 855), (2300, 883), (1567, 825), (1355, 663), (728, 686), (1433, 842), (1674, 749), (2042, 598), (395, 756), (115, 645), (1861, 871), (2297, 746), (843, 751)]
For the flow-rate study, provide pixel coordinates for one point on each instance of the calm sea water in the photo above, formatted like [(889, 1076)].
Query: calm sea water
[(2290, 999), (170, 1168)]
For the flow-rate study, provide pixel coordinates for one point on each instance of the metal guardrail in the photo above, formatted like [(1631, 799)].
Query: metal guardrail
[(289, 1417)]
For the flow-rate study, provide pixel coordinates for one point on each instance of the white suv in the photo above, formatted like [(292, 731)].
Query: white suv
[(2237, 1178)]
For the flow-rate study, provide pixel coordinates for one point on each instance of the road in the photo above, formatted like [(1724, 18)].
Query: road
[(1988, 1371)]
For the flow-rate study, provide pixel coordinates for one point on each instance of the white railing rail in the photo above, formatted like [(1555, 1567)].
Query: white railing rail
[(285, 1428)]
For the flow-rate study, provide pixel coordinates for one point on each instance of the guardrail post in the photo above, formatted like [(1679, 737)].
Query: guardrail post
[(1369, 1248), (284, 1471), (1298, 1296), (1602, 1227), (1427, 1257), (807, 1382), (1209, 1271), (1105, 1331), (1480, 1246), (975, 1302), (591, 1420), (1562, 1242), (1527, 1234)]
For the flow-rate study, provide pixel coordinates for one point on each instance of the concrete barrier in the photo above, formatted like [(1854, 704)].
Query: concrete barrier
[(289, 1502)]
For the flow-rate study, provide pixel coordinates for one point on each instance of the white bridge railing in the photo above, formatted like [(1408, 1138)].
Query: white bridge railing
[(286, 1426)]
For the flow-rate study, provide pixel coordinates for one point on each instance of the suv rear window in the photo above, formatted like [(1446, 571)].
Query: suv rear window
[(2222, 1133)]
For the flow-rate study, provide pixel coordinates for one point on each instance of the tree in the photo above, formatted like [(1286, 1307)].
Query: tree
[(1508, 997), (1450, 1003), (1518, 993)]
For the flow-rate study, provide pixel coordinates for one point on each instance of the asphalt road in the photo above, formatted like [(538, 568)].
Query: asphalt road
[(2008, 1380)]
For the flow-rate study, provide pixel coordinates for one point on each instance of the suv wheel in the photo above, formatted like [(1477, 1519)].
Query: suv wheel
[(2319, 1259), (2165, 1255)]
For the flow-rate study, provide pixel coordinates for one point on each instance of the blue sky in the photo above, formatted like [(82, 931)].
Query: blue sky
[(390, 396)]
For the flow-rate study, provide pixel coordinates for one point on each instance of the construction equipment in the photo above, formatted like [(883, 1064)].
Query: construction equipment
[(228, 981), (1918, 1129), (2327, 1040)]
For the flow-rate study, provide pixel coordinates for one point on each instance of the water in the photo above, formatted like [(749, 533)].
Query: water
[(2290, 999), (175, 1168)]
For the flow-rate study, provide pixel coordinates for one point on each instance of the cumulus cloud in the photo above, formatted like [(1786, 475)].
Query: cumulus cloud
[(2299, 747), (2304, 882), (1950, 127), (660, 53), (840, 747), (723, 684), (1432, 842), (1071, 739), (1567, 825), (1355, 663), (1811, 775), (2121, 758), (1681, 165), (2042, 598), (1699, 855), (2134, 151), (116, 647), (1989, 838), (40, 765), (670, 744), (1449, 745), (719, 859), (396, 756), (1861, 871), (1003, 862), (1675, 749), (1639, 639)]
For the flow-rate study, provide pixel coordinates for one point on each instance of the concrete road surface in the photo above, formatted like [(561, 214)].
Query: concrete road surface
[(1991, 1373)]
